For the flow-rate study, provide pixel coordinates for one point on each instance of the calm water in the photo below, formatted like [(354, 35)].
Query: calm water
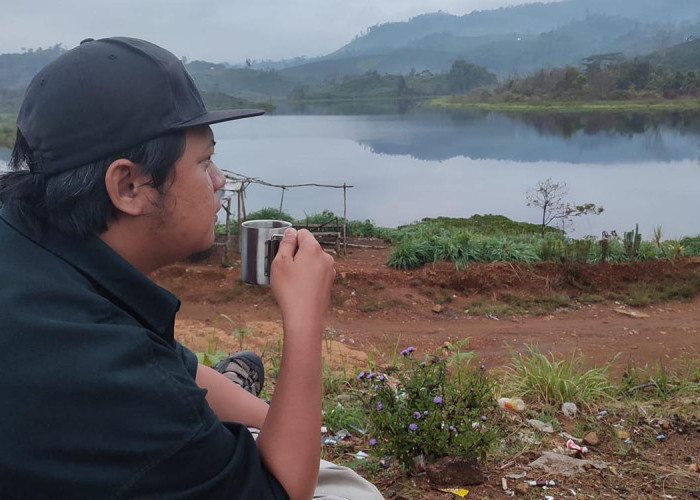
[(406, 166)]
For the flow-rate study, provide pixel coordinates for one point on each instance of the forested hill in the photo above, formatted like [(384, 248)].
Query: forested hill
[(513, 40)]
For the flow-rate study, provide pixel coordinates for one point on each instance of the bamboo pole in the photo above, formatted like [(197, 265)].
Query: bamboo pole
[(345, 219), (228, 231)]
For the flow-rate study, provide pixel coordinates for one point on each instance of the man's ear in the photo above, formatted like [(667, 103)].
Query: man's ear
[(127, 187)]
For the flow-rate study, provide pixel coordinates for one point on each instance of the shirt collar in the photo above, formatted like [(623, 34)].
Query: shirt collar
[(152, 305)]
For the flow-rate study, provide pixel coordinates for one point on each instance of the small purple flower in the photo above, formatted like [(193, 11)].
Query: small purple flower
[(381, 378), (376, 387), (371, 375), (483, 366), (362, 392), (408, 351), (422, 363), (372, 442), (452, 428), (380, 406), (416, 414), (360, 375), (437, 400), (425, 412), (413, 427), (483, 418)]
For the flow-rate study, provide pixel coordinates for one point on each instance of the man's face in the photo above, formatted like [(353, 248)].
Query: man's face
[(187, 214)]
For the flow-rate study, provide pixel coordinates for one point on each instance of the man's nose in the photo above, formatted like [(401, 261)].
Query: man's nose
[(217, 177)]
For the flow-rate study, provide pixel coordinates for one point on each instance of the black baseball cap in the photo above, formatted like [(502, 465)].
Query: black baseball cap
[(105, 96)]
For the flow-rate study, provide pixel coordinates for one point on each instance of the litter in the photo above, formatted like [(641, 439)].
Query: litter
[(564, 465), (543, 482), (516, 476), (569, 410), (516, 404), (361, 455), (460, 492), (574, 446), (541, 426)]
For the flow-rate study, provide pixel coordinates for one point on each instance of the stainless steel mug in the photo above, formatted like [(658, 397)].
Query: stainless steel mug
[(260, 240)]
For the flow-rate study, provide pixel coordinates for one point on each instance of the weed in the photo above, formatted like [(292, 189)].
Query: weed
[(536, 376), (431, 410)]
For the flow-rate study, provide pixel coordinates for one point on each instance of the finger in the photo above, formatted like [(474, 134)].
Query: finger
[(306, 239), (288, 245)]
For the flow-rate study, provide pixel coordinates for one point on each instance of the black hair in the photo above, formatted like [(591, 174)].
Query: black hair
[(75, 202)]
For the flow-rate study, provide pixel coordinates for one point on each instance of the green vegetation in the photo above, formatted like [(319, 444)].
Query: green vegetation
[(540, 378), (495, 238), (462, 77), (607, 82), (8, 130), (438, 407)]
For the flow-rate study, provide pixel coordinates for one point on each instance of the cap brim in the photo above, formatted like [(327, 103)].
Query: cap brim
[(220, 115)]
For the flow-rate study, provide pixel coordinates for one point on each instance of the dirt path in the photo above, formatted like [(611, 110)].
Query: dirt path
[(376, 309)]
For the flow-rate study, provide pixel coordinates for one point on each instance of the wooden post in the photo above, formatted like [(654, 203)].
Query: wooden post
[(239, 193), (345, 220), (282, 199), (228, 231)]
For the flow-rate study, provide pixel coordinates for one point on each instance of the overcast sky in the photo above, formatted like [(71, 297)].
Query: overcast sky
[(215, 30)]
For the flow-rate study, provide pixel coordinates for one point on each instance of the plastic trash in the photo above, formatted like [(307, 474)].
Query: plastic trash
[(569, 410), (571, 445), (543, 482), (515, 404), (541, 426)]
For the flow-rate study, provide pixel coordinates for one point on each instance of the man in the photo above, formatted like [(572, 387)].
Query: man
[(112, 178)]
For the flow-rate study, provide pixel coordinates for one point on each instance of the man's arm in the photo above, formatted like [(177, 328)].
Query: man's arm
[(301, 278), (229, 401)]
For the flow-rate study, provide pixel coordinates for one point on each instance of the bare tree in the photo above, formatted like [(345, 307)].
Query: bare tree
[(548, 196)]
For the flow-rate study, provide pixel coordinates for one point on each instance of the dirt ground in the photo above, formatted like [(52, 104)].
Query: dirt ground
[(378, 311)]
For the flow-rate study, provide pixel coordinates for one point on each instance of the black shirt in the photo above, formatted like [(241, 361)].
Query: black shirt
[(98, 399)]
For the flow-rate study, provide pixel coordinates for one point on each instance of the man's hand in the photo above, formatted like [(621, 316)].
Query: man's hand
[(301, 277)]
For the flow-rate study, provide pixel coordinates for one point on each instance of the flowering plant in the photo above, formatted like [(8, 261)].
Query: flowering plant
[(433, 408)]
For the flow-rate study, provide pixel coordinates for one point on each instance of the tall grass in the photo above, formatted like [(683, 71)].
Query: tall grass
[(538, 377)]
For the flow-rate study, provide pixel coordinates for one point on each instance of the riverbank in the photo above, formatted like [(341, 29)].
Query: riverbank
[(551, 106)]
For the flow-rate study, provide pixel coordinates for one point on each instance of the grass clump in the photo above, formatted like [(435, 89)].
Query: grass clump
[(433, 408), (538, 377)]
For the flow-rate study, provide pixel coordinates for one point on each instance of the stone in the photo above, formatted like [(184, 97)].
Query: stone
[(693, 467), (454, 471), (591, 439), (437, 308), (521, 488)]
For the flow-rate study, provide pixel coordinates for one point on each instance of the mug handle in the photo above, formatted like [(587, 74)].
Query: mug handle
[(271, 247)]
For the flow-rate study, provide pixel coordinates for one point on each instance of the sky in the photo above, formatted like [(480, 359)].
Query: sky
[(216, 30)]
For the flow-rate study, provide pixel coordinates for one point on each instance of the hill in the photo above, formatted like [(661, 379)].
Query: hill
[(511, 40)]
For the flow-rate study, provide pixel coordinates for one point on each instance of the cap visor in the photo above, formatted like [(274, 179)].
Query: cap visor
[(220, 115)]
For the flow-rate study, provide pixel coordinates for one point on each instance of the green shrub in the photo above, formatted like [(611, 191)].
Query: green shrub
[(269, 213), (437, 407)]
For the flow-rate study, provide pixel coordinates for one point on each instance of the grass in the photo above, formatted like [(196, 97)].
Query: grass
[(544, 379), (552, 106), (675, 288)]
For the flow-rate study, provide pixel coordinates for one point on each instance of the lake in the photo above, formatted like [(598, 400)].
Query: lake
[(409, 164)]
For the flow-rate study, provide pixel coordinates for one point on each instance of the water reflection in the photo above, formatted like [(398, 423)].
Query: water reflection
[(585, 138)]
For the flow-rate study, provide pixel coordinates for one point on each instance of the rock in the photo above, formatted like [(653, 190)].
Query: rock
[(693, 467), (437, 308), (623, 434), (556, 464), (591, 439), (453, 471), (521, 488)]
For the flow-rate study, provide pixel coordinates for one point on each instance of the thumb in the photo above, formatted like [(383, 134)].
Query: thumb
[(288, 245)]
